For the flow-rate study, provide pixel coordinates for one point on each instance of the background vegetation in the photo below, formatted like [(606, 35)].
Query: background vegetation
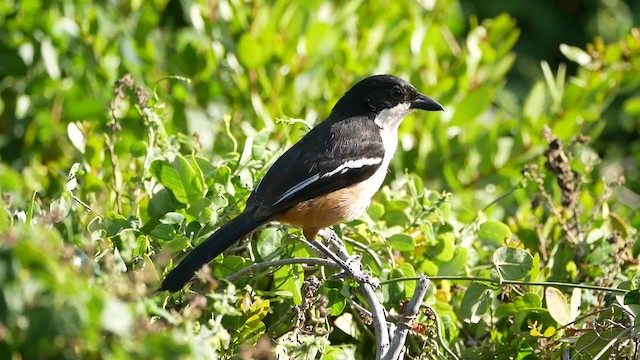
[(530, 176)]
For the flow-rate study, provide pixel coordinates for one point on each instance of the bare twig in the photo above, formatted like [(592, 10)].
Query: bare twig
[(366, 288), (404, 325), (359, 307)]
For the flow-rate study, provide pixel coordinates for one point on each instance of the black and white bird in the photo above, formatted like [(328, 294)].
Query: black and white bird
[(327, 177)]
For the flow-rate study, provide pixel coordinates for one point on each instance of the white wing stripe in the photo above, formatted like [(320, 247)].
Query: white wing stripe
[(343, 168), (299, 186), (353, 164)]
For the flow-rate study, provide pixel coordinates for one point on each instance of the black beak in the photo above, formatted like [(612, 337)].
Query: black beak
[(426, 103)]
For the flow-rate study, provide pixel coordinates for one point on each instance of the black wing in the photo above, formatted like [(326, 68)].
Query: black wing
[(327, 159)]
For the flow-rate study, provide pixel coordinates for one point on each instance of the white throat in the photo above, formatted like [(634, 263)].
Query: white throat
[(389, 119)]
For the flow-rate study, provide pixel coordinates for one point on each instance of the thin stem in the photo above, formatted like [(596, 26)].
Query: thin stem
[(365, 248), (439, 332), (85, 205), (512, 282), (611, 343), (281, 262)]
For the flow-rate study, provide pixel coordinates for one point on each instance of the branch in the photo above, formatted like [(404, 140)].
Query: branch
[(281, 262), (338, 257), (405, 324), (354, 267)]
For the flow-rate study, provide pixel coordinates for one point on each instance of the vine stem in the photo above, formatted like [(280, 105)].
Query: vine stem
[(512, 282)]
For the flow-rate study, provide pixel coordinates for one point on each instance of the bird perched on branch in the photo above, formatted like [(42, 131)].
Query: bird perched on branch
[(327, 177)]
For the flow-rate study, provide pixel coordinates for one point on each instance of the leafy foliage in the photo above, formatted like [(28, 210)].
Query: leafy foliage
[(531, 240)]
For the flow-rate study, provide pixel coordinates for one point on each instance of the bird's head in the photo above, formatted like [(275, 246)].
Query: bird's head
[(385, 99)]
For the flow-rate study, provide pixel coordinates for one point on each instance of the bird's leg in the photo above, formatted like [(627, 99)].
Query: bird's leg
[(351, 265)]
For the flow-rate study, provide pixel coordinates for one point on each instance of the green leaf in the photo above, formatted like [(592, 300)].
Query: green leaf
[(163, 232), (346, 323), (181, 178), (534, 105), (444, 249), (269, 241), (321, 40), (476, 302), (162, 202), (229, 265), (259, 147), (375, 211), (138, 148), (402, 242), (494, 233), (176, 245), (340, 352), (410, 285), (472, 105), (222, 180), (337, 302), (632, 297), (10, 180), (172, 218), (290, 278), (394, 292), (504, 310), (396, 218), (557, 306), (528, 301), (512, 263), (455, 265), (196, 208), (115, 223)]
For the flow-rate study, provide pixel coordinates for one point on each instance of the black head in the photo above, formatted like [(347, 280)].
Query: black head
[(380, 92)]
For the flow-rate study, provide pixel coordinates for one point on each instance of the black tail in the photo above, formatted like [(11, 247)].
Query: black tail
[(215, 244)]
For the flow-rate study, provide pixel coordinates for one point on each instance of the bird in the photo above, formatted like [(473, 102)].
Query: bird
[(329, 176)]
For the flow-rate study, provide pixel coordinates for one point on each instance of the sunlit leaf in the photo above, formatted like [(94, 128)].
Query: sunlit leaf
[(76, 136), (179, 176), (290, 278), (558, 306), (269, 241), (494, 233), (337, 302), (512, 263), (476, 302), (402, 242)]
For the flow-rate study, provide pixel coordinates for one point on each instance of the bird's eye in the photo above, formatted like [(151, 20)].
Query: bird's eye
[(396, 92)]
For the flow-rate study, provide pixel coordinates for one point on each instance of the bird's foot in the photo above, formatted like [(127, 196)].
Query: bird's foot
[(350, 264)]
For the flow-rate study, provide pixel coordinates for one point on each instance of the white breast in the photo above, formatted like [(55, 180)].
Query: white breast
[(388, 120)]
